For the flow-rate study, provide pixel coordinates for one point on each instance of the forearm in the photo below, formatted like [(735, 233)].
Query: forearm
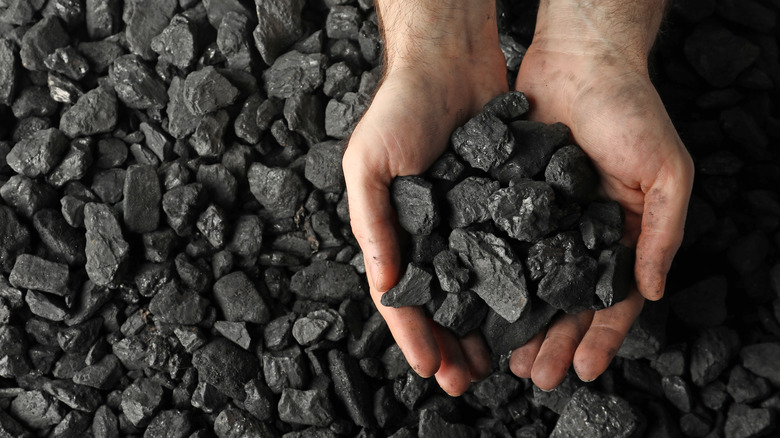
[(626, 27), (417, 30)]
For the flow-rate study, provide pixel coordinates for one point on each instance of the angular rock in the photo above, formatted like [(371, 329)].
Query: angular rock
[(451, 275), (760, 360), (46, 306), (141, 400), (280, 190), (78, 338), (136, 84), (339, 79), (33, 272), (285, 369), (170, 424), (40, 41), (239, 300), (461, 312), (294, 72), (105, 423), (74, 164), (106, 249), (601, 224), (206, 90), (413, 289), (14, 238), (484, 142), (524, 210), (142, 199), (592, 414), (415, 204), (342, 115), (351, 387), (79, 397), (235, 332), (37, 409), (182, 206), (323, 166), (305, 116), (38, 153), (615, 272), (235, 423), (508, 106), (9, 71), (226, 366), (711, 353), (176, 306), (233, 40), (13, 347), (67, 61), (27, 196), (94, 113), (279, 26), (310, 407), (34, 101), (742, 421), (103, 375), (433, 425), (571, 174), (177, 43), (536, 143), (181, 121), (145, 19), (503, 337), (327, 281)]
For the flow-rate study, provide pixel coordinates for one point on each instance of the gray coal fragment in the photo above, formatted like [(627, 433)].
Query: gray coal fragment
[(40, 41), (304, 115), (592, 414), (327, 281), (14, 238), (207, 398), (79, 338), (484, 142), (36, 409), (104, 423), (524, 210), (498, 275), (136, 85), (413, 289), (65, 243), (294, 72), (38, 154), (514, 52), (95, 112), (711, 354), (34, 101), (434, 426), (746, 387), (277, 334), (234, 42), (72, 425), (467, 202), (212, 225), (308, 407), (181, 120), (259, 400), (342, 115), (536, 144), (14, 362), (217, 9), (308, 331), (176, 305), (156, 140), (67, 61), (343, 22), (508, 106), (279, 26), (102, 18), (285, 369), (207, 138), (557, 399), (226, 366), (111, 152), (498, 389), (103, 375), (170, 424), (108, 184), (107, 251), (601, 224), (503, 337), (100, 54), (27, 196), (9, 71), (219, 183), (177, 43), (371, 46), (677, 392), (182, 206), (415, 204), (461, 312), (280, 190), (235, 332), (247, 236), (235, 423), (206, 90), (247, 126), (559, 249), (79, 397), (323, 166), (33, 272), (74, 165), (239, 300), (141, 401), (571, 174), (145, 19), (448, 168), (63, 89), (761, 358), (46, 306), (451, 275), (352, 388), (742, 421), (340, 79), (142, 199), (615, 274)]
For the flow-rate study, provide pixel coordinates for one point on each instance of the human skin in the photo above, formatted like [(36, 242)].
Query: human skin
[(587, 68)]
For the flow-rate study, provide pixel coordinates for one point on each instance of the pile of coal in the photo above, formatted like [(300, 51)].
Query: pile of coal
[(176, 257)]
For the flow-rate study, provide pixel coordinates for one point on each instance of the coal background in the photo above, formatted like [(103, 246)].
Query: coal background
[(162, 162)]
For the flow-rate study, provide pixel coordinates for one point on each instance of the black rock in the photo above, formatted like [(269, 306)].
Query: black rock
[(498, 275), (233, 40), (177, 43), (601, 224), (351, 387), (34, 101), (63, 89), (182, 206), (557, 399), (742, 421), (711, 353), (323, 166), (461, 312), (9, 71), (615, 273), (513, 51), (94, 113), (451, 275), (508, 107), (105, 423), (592, 414), (103, 375), (111, 152), (678, 392), (413, 289), (27, 196), (79, 397), (239, 300), (277, 334), (285, 369), (343, 22), (433, 425), (342, 115), (340, 79), (74, 164), (40, 41), (309, 407), (448, 168), (259, 400), (746, 387), (760, 359), (33, 272), (327, 281), (212, 224), (170, 424), (648, 333), (220, 184), (206, 90), (294, 73), (38, 154), (279, 26), (37, 409), (216, 10), (46, 306), (467, 202), (13, 359), (305, 116), (497, 390), (670, 362), (14, 238), (280, 190), (247, 236), (226, 366), (523, 210), (571, 173), (106, 249), (717, 54), (503, 337), (72, 425), (100, 54), (370, 43), (142, 199), (141, 401), (67, 61), (177, 306), (136, 84), (235, 423), (78, 338), (207, 138), (485, 142), (560, 249), (181, 120), (108, 184), (415, 204), (145, 19)]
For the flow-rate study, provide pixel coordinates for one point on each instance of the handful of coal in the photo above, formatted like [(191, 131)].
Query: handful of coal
[(509, 224)]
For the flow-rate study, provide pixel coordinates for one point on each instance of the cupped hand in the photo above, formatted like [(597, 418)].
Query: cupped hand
[(403, 132), (617, 118)]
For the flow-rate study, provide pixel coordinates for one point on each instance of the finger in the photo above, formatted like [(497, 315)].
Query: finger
[(663, 221), (477, 355), (557, 351), (605, 336), (522, 359), (453, 375)]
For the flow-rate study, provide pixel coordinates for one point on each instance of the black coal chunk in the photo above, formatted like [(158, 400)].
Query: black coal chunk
[(294, 72), (351, 387), (142, 198), (536, 144), (226, 366), (67, 61), (339, 80), (343, 22), (141, 401), (711, 353), (40, 41), (136, 84), (503, 337), (38, 153), (234, 43), (717, 54), (14, 362), (9, 71), (106, 249), (74, 164), (485, 142), (145, 19), (413, 289), (601, 224), (746, 387), (26, 195), (523, 210), (569, 286), (279, 26), (342, 115), (181, 121), (182, 206), (36, 409), (323, 166), (239, 300), (206, 90), (177, 43), (616, 271), (170, 424), (743, 421), (79, 397), (593, 414), (327, 281), (34, 101), (433, 425), (761, 359), (415, 204), (65, 243), (508, 106), (451, 275), (212, 225), (308, 407), (461, 312), (304, 115), (280, 190), (14, 238), (103, 375), (235, 423), (178, 306), (467, 202), (33, 272), (571, 174), (94, 113), (498, 275)]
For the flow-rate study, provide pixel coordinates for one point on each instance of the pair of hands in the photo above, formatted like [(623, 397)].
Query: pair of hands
[(598, 89)]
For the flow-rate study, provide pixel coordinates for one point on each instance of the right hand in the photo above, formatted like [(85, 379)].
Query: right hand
[(421, 100)]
